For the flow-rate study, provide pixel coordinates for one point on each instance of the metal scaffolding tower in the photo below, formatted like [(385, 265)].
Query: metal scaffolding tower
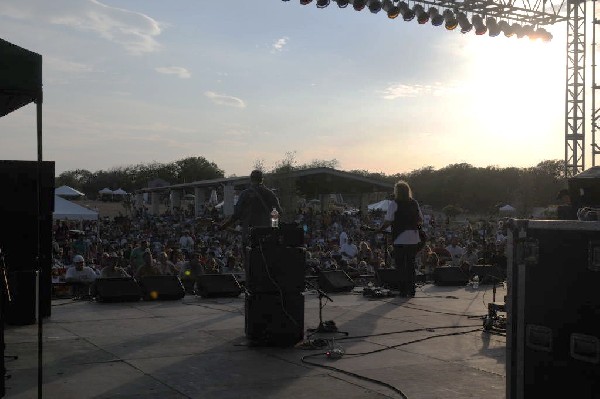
[(575, 89), (531, 15)]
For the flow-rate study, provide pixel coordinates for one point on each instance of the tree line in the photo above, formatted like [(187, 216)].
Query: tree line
[(463, 186)]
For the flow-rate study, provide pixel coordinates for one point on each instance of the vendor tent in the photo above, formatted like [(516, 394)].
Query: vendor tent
[(380, 206), (105, 191), (66, 191), (120, 191), (67, 210), (507, 209)]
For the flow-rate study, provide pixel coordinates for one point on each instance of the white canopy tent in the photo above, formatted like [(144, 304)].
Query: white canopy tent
[(507, 209), (66, 210), (120, 191), (379, 206), (66, 191), (105, 191)]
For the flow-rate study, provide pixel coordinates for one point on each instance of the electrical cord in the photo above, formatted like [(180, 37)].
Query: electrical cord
[(378, 382), (361, 377)]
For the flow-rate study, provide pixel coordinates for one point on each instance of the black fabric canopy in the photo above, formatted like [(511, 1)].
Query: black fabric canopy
[(20, 77)]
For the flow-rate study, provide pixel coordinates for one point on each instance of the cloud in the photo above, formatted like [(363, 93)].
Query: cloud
[(399, 90), (279, 44), (179, 71), (63, 65), (135, 31), (229, 101)]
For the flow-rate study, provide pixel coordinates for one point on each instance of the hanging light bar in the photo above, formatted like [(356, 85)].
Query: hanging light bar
[(358, 4), (322, 3), (463, 21), (480, 28), (391, 9), (374, 6), (305, 2), (436, 18), (492, 26), (450, 20), (422, 16), (405, 11), (342, 3)]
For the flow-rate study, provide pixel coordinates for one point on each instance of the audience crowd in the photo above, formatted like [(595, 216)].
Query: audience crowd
[(177, 243)]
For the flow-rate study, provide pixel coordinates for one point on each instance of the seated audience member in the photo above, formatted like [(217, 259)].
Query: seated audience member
[(469, 258), (349, 251), (443, 254), (148, 268), (111, 268), (165, 266), (190, 271), (429, 260), (80, 277), (456, 251)]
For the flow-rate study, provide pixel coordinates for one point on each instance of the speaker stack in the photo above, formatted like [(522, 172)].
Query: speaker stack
[(24, 217), (275, 281)]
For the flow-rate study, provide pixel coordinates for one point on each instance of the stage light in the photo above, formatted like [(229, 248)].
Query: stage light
[(451, 21), (374, 6), (405, 11), (480, 28), (506, 28), (544, 34), (342, 3), (322, 3), (529, 31), (463, 21), (305, 2), (358, 4), (422, 16), (492, 26), (518, 30), (436, 18), (392, 10)]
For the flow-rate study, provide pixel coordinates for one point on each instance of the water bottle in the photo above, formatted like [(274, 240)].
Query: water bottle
[(476, 282), (274, 218)]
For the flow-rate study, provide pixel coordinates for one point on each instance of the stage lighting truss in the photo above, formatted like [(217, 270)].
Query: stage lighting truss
[(517, 18)]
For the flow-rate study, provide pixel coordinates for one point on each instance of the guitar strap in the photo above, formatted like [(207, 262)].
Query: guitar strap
[(261, 198)]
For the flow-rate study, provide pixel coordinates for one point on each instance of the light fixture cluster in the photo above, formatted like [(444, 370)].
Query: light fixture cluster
[(449, 18)]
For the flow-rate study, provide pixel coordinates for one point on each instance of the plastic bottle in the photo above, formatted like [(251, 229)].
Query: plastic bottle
[(274, 218), (476, 282)]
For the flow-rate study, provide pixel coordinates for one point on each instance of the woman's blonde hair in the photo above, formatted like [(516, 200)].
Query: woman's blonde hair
[(402, 191)]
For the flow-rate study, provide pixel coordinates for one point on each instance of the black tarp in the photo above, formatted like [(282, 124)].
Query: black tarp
[(20, 77)]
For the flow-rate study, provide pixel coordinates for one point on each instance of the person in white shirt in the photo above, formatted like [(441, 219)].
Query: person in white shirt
[(80, 277), (349, 250), (456, 251), (343, 238), (186, 242)]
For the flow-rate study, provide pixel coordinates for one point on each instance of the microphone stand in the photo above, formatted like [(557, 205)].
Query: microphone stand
[(323, 327)]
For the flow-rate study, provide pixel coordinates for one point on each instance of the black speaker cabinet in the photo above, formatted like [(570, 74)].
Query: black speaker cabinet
[(553, 307), (389, 278), (20, 223), (488, 274), (161, 288), (117, 289), (287, 235), (21, 309), (274, 320), (274, 268), (335, 281), (217, 285), (450, 276)]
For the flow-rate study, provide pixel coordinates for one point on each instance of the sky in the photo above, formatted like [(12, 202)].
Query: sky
[(239, 82)]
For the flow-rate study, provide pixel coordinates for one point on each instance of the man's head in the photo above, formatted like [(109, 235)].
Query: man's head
[(78, 261), (256, 176)]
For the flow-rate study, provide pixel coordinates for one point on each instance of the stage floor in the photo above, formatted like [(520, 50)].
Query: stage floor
[(196, 348)]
